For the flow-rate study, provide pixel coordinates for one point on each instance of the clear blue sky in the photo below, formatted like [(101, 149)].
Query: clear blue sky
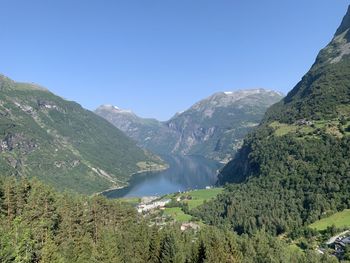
[(158, 57)]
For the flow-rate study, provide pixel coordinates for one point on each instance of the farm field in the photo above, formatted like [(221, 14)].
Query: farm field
[(177, 214), (193, 198), (199, 196), (340, 219)]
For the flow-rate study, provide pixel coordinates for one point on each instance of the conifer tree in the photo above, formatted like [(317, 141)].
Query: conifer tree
[(201, 256), (168, 249), (50, 252)]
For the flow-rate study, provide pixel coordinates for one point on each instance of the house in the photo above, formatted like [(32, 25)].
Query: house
[(340, 244), (157, 204), (191, 225), (304, 122)]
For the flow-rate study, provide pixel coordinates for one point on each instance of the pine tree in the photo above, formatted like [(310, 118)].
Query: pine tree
[(40, 212), (9, 204), (201, 257), (154, 246), (83, 249), (168, 251), (22, 193), (6, 244), (50, 252), (106, 250), (24, 243)]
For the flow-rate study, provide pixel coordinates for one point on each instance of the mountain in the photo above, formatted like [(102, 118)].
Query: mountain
[(61, 143), (320, 102), (212, 127), (148, 133), (294, 168), (215, 127)]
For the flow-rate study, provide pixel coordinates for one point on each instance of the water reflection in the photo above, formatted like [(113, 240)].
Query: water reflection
[(185, 173)]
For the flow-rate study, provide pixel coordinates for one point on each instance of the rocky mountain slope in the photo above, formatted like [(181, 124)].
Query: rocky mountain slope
[(294, 168), (61, 143), (148, 133), (214, 127), (319, 103)]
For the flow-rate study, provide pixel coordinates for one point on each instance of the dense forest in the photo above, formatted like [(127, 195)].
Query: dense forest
[(38, 224), (295, 167), (299, 181), (291, 171)]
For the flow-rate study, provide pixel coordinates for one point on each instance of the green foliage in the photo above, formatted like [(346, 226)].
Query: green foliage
[(294, 169), (195, 198), (290, 182), (38, 224), (339, 220), (168, 250), (81, 229), (321, 94), (177, 214), (61, 143)]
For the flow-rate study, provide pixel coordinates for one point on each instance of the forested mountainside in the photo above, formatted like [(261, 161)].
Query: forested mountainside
[(61, 143), (38, 224), (295, 167), (214, 127)]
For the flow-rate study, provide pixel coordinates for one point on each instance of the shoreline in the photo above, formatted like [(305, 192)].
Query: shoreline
[(160, 169)]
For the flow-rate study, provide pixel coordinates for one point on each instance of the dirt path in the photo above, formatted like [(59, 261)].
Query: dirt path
[(334, 238)]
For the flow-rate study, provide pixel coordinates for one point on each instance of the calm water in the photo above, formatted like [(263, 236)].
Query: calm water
[(185, 173)]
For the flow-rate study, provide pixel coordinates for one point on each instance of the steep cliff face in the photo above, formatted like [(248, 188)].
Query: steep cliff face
[(294, 168), (213, 127), (61, 143), (323, 92), (318, 105)]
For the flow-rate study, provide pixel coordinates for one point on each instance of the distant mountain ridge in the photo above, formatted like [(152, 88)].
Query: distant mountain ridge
[(61, 143), (148, 133), (212, 127)]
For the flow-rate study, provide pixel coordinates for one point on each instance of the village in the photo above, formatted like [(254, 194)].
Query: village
[(155, 206), (175, 208), (340, 244), (150, 203)]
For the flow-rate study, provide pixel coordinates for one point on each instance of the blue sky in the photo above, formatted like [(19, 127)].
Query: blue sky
[(158, 57)]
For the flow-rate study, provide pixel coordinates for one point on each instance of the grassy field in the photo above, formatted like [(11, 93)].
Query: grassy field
[(193, 199), (177, 214), (282, 129), (331, 127), (199, 196), (340, 219)]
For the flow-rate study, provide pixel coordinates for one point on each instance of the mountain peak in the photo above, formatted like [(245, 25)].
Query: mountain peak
[(241, 94), (345, 25), (4, 80), (325, 86), (249, 92), (235, 98), (110, 107)]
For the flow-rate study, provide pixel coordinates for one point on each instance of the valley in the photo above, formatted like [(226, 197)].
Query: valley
[(213, 127), (184, 173), (241, 176)]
